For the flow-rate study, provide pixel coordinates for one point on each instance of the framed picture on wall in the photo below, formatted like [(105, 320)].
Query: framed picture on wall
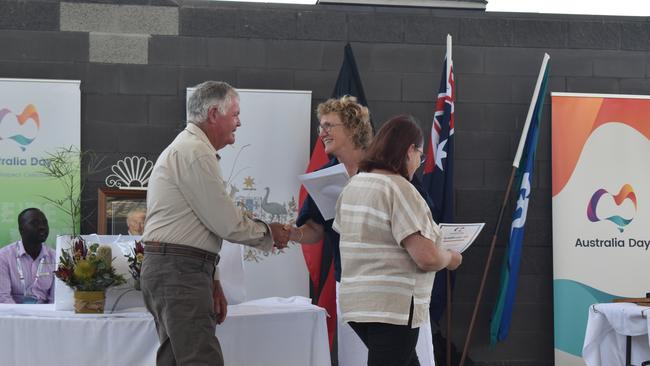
[(121, 211)]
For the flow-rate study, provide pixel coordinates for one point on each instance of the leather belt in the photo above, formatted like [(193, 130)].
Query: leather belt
[(155, 247)]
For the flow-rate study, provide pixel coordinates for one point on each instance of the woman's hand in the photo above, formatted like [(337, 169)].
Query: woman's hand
[(456, 260)]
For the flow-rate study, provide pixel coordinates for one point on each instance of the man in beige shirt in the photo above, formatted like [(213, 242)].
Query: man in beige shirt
[(189, 213)]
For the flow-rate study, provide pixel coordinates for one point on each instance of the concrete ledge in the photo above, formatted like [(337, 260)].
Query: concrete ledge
[(119, 48), (108, 18)]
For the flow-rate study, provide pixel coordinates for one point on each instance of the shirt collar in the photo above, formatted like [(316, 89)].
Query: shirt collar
[(198, 132), (20, 250)]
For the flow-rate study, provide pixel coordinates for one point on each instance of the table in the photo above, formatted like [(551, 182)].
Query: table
[(265, 332), (617, 334)]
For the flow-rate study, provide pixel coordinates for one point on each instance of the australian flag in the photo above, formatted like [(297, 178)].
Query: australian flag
[(438, 172)]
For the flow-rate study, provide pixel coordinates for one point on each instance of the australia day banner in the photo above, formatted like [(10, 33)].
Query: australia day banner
[(601, 208), (37, 117)]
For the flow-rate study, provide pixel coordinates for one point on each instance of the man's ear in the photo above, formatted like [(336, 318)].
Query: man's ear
[(213, 114)]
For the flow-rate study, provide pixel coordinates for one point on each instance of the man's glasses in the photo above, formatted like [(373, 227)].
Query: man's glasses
[(327, 127)]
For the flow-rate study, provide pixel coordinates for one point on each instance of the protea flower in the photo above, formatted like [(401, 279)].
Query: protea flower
[(85, 270), (105, 254), (80, 249)]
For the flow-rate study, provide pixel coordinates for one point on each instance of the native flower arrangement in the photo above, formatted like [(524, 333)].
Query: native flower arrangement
[(85, 268), (135, 262)]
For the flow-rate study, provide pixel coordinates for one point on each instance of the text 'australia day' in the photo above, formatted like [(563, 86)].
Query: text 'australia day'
[(16, 161), (613, 243)]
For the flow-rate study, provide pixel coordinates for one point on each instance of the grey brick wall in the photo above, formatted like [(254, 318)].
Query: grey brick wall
[(135, 58)]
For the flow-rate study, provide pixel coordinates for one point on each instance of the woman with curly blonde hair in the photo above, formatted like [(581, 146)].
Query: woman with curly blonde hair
[(346, 132)]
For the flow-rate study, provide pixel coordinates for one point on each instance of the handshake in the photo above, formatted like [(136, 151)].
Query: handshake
[(280, 234)]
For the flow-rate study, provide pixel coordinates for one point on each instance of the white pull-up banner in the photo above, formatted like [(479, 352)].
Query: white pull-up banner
[(37, 117), (601, 209)]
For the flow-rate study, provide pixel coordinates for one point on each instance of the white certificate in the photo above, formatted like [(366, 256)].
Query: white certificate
[(325, 186), (458, 237)]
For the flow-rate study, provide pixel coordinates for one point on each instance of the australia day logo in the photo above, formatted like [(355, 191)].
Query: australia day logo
[(626, 193), (20, 129)]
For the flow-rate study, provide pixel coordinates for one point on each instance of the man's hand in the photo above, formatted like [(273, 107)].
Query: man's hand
[(280, 235), (220, 302)]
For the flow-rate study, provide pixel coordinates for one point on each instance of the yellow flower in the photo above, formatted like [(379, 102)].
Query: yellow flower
[(85, 270), (139, 257)]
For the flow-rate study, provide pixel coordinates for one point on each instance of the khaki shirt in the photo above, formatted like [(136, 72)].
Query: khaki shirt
[(187, 202), (374, 214)]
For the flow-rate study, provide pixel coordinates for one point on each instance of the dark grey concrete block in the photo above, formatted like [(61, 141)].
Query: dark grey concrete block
[(486, 32), (301, 55), (592, 85), (43, 46), (486, 117), (43, 70), (167, 111), (269, 24), (373, 27), (380, 112), (264, 79), (571, 62), (613, 64), (101, 79), (484, 89), (99, 136), (540, 33), (220, 22), (145, 139), (523, 88), (430, 30), (468, 60), (148, 80), (483, 145), (320, 25), (543, 173), (383, 86), (634, 36), (122, 109), (497, 173), (635, 86), (470, 117), (406, 58), (191, 76), (475, 204), (321, 83), (236, 52), (601, 35), (29, 15), (422, 87), (173, 50), (333, 55), (513, 61), (468, 174)]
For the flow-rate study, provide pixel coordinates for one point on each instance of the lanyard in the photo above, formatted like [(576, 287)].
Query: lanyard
[(21, 274)]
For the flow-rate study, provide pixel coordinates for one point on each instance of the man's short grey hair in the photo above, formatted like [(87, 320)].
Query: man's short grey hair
[(209, 94)]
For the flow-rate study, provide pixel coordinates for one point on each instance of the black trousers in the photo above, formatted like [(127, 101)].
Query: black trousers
[(388, 344)]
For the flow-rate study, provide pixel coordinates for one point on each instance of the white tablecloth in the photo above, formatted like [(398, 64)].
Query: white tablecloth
[(607, 330), (264, 332)]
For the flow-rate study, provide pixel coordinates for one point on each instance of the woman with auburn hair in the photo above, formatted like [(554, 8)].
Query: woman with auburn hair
[(390, 247)]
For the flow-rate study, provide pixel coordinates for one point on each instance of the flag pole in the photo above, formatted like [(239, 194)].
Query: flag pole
[(448, 345), (515, 166)]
